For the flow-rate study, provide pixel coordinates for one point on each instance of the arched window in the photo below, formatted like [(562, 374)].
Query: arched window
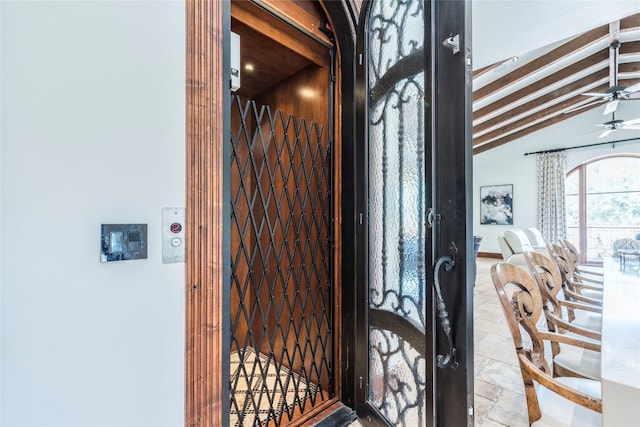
[(603, 204)]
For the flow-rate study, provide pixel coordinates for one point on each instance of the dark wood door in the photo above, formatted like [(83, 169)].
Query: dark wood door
[(412, 160)]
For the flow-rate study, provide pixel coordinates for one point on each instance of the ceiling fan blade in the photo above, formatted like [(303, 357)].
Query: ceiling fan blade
[(611, 107), (588, 104), (632, 127), (598, 95), (631, 122), (632, 88), (605, 133)]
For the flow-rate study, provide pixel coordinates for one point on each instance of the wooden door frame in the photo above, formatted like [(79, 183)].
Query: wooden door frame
[(207, 211), (208, 208)]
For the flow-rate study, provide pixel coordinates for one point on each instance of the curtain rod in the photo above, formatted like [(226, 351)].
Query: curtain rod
[(581, 146)]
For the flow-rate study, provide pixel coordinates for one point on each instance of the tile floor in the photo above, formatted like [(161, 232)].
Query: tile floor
[(499, 393)]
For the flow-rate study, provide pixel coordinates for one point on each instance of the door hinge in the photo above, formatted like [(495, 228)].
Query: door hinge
[(432, 218), (453, 43), (360, 59)]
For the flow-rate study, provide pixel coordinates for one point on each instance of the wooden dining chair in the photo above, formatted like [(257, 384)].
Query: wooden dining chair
[(586, 270), (581, 358), (562, 315), (575, 286), (551, 401), (572, 259)]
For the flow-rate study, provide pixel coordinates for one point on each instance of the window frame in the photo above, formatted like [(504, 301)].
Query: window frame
[(581, 170)]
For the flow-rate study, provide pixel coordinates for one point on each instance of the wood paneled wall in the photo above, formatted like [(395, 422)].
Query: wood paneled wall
[(303, 96)]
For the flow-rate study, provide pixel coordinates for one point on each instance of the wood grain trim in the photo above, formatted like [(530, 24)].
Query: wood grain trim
[(295, 14), (337, 229), (276, 30), (204, 340)]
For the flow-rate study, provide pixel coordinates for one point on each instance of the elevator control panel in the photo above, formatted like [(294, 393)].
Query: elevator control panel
[(173, 234), (122, 242)]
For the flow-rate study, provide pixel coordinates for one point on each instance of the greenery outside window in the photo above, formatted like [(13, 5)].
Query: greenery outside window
[(603, 204)]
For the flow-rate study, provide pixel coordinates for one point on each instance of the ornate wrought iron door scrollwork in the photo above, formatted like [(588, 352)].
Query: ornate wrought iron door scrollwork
[(442, 361)]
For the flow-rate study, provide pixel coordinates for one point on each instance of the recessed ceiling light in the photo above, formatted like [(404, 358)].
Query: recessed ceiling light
[(248, 67)]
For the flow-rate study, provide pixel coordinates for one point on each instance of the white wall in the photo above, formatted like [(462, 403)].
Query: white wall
[(92, 132), (508, 164), (504, 28)]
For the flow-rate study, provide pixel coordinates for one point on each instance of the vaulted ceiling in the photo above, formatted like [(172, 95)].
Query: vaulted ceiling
[(522, 94), (533, 60)]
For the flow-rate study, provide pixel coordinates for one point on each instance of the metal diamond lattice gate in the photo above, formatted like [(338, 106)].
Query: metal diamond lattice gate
[(281, 268)]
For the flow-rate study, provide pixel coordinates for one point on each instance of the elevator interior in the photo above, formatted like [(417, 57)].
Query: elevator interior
[(282, 286)]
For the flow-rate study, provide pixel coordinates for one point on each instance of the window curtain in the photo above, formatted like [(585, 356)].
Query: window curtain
[(551, 215)]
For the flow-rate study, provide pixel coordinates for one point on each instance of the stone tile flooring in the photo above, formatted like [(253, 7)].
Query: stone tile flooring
[(499, 393)]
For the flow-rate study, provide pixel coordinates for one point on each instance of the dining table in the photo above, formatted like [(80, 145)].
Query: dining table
[(620, 351)]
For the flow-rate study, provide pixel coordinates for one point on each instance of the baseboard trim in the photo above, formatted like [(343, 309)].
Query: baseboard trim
[(489, 255)]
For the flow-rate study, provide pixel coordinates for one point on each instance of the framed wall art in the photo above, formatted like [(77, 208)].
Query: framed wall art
[(496, 204)]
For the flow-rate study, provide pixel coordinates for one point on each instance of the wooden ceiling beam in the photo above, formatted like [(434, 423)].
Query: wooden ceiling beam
[(480, 148), (570, 48), (516, 122), (479, 72), (536, 118), (486, 69), (601, 57), (578, 85), (575, 102)]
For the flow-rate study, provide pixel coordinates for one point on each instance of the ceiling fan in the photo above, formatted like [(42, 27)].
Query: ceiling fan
[(616, 124), (615, 93)]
